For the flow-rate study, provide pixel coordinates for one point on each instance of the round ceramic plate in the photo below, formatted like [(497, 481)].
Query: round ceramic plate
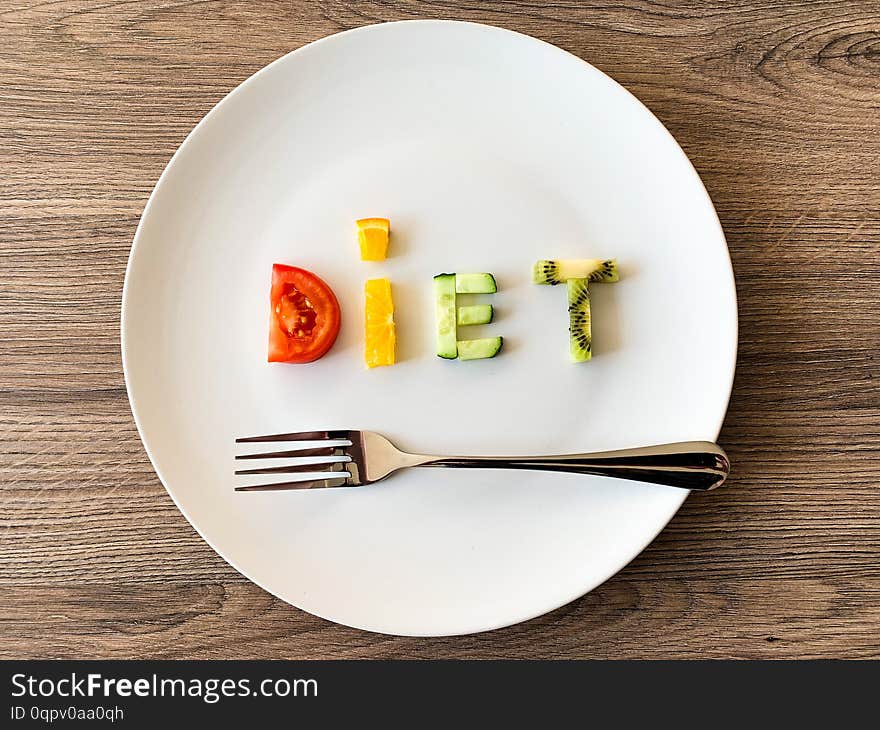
[(487, 150)]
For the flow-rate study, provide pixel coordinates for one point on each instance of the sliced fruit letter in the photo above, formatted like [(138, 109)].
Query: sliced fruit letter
[(474, 314), (450, 316), (560, 271), (579, 321), (373, 238), (479, 349), (578, 274), (475, 284), (304, 317), (444, 304), (379, 323)]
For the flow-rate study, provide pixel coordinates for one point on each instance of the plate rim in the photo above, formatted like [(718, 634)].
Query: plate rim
[(123, 319)]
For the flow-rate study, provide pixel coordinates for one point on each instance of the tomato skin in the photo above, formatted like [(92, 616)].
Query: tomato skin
[(321, 310)]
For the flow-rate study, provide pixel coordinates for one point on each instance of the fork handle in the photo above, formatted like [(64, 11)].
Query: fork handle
[(696, 465)]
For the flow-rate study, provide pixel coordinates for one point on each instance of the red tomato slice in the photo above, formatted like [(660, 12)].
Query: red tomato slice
[(304, 319)]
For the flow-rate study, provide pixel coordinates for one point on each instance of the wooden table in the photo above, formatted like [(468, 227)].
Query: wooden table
[(778, 106)]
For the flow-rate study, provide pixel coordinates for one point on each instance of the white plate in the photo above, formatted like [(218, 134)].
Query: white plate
[(487, 150)]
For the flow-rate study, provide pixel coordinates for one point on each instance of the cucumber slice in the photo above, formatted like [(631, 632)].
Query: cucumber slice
[(557, 272), (444, 303), (579, 320), (474, 314), (475, 284), (479, 349)]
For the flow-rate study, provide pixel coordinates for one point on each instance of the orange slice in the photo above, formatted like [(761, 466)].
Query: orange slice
[(380, 336), (373, 237)]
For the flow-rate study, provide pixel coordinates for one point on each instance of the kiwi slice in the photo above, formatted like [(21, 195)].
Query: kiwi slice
[(562, 270), (579, 322)]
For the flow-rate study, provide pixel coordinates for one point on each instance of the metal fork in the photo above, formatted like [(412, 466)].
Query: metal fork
[(356, 458)]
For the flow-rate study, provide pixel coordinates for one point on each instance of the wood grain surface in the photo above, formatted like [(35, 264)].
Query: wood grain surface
[(778, 106)]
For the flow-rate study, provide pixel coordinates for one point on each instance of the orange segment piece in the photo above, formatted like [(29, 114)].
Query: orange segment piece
[(373, 237), (380, 335)]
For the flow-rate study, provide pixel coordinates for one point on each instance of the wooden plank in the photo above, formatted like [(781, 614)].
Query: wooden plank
[(776, 103), (694, 617)]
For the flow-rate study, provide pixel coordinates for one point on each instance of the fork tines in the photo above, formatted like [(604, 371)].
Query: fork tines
[(296, 436), (317, 465)]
